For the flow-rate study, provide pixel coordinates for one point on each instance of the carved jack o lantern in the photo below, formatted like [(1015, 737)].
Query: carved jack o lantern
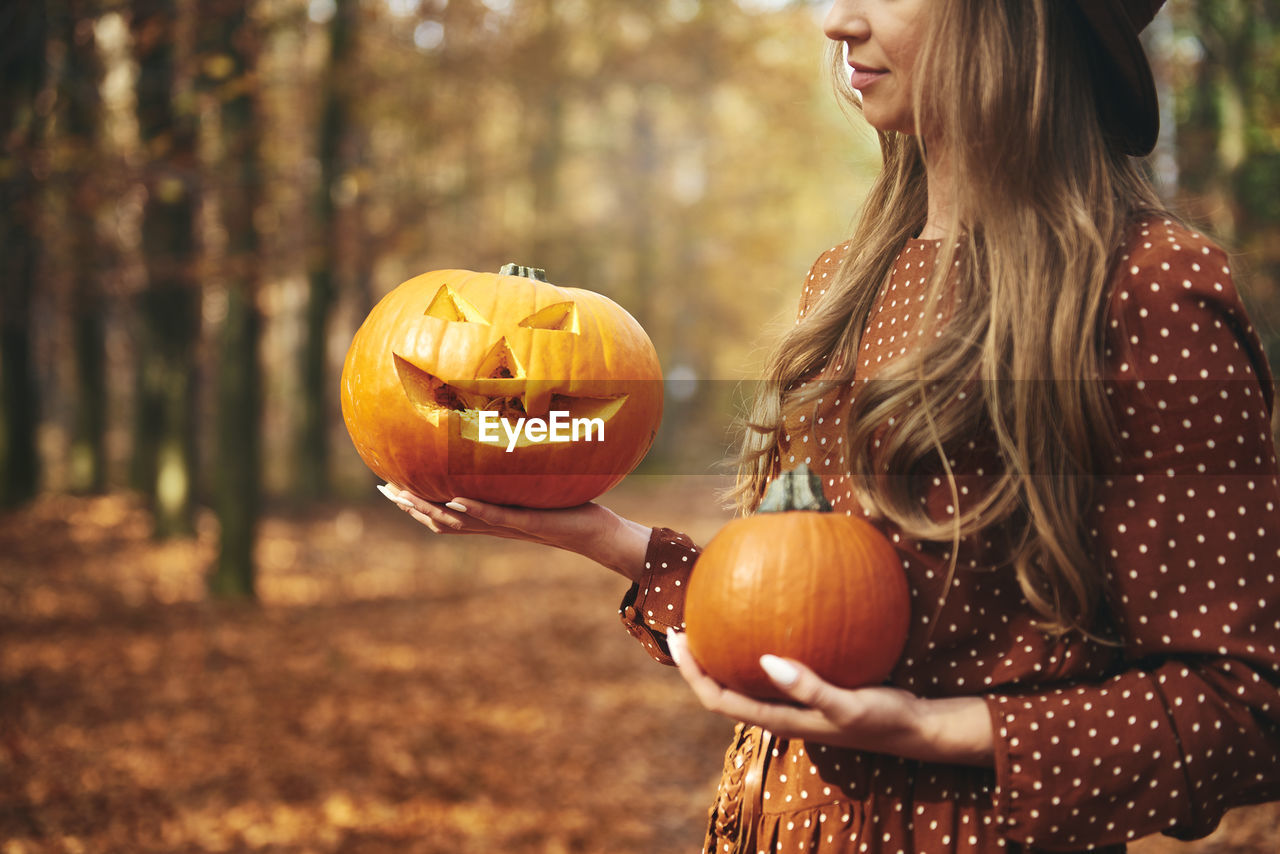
[(503, 388)]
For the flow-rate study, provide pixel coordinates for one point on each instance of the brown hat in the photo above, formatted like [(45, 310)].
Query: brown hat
[(1126, 90)]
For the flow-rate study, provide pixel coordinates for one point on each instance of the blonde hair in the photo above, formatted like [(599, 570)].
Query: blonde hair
[(1042, 202)]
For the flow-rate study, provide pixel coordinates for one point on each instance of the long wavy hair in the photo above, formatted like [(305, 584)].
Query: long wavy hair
[(1042, 200)]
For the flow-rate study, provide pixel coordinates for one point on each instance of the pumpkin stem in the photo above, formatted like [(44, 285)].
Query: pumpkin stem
[(534, 273), (798, 489)]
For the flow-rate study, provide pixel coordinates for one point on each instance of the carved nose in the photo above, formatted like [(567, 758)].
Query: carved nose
[(500, 363)]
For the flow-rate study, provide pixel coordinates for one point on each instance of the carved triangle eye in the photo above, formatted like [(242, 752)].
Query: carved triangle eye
[(500, 363), (560, 317), (449, 305)]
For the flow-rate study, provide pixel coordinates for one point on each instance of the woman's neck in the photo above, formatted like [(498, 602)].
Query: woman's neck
[(941, 213)]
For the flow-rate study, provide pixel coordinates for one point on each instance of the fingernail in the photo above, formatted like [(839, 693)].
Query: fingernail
[(392, 496), (780, 670), (454, 505), (673, 646)]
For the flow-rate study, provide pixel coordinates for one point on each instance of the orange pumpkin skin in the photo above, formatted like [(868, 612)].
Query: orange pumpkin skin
[(824, 589), (446, 345)]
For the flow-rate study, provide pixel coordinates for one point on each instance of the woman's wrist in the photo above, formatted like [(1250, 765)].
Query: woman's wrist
[(955, 730), (623, 549), (613, 541)]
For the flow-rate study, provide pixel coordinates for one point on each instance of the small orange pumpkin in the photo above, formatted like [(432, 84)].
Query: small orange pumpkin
[(802, 582), (450, 374)]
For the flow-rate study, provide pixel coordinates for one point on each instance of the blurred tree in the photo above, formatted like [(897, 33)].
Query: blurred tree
[(79, 86), (168, 307), (228, 52), (541, 94), (1229, 135), (337, 92), (23, 31), (675, 155)]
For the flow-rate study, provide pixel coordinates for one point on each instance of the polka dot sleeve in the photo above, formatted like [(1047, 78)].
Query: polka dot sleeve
[(1185, 526), (656, 603)]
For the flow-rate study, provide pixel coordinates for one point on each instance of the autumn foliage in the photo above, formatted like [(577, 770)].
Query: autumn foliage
[(393, 692)]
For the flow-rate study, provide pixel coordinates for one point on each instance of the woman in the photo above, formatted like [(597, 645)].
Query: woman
[(1045, 391)]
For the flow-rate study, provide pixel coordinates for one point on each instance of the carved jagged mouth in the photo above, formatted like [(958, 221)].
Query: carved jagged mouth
[(502, 392), (428, 391)]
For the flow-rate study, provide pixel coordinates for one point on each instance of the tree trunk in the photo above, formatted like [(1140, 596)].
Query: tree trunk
[(544, 101), (81, 79), (238, 483), (642, 167), (168, 309), (229, 56), (23, 30), (312, 464)]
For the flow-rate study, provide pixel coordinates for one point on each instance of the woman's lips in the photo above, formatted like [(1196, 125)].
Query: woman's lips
[(860, 77)]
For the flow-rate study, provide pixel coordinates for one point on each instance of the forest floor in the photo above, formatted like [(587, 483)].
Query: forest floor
[(392, 691)]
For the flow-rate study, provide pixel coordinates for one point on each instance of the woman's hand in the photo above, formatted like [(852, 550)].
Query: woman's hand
[(588, 529), (878, 719)]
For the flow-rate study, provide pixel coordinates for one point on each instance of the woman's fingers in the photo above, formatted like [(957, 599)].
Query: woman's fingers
[(434, 516), (492, 515), (467, 515), (801, 685), (711, 693), (393, 495), (817, 710)]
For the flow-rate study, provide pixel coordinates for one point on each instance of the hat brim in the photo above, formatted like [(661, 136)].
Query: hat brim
[(1126, 90)]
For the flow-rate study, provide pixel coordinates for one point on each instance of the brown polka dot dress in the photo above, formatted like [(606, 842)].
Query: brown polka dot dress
[(1096, 744)]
